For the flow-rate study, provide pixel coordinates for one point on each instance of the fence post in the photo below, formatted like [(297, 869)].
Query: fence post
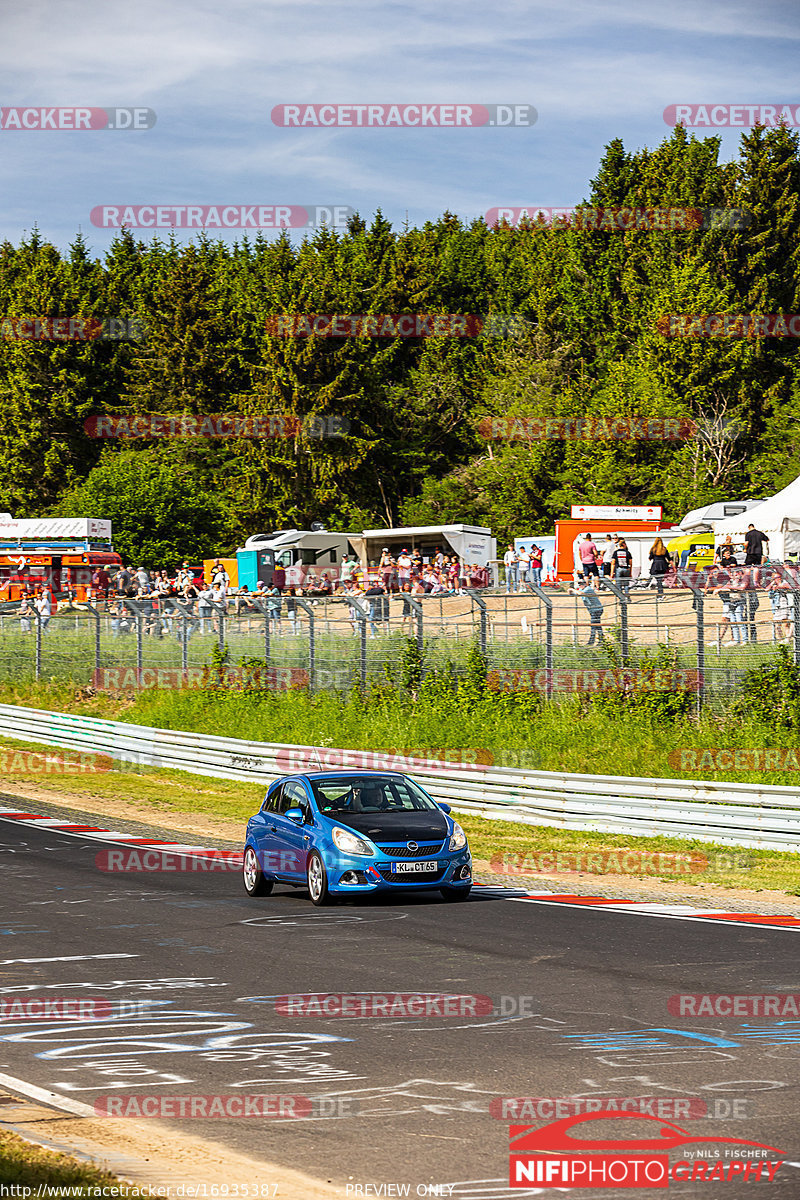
[(38, 664), (95, 613), (547, 601), (623, 599), (686, 580), (476, 599), (312, 642), (416, 609)]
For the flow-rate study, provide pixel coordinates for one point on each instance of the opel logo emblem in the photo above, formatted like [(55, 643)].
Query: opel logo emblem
[(412, 846)]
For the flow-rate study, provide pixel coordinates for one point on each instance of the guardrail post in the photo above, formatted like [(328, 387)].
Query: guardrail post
[(547, 601), (476, 599), (623, 599), (312, 642)]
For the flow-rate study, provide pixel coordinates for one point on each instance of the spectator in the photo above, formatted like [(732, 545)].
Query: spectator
[(523, 565), (536, 564), (403, 568), (122, 580), (751, 602), (511, 564), (594, 608), (205, 598), (623, 565), (754, 542), (737, 589), (291, 609), (407, 614), (101, 582), (44, 606), (723, 591), (25, 613), (279, 578), (725, 555), (274, 606), (142, 577), (659, 564), (387, 568), (587, 552), (374, 594), (244, 601), (608, 554), (781, 611)]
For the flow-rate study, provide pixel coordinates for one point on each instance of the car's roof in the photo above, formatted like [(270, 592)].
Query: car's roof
[(317, 775)]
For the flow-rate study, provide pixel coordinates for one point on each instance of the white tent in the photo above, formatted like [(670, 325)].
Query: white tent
[(778, 518)]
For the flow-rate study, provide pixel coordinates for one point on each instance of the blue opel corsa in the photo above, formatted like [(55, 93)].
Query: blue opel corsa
[(353, 832)]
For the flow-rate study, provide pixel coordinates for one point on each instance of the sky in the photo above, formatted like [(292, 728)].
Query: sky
[(593, 70)]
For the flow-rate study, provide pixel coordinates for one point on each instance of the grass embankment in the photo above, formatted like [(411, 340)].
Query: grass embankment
[(566, 737), (26, 1165)]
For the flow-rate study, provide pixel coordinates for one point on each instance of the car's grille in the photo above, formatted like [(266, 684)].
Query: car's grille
[(412, 877), (426, 850)]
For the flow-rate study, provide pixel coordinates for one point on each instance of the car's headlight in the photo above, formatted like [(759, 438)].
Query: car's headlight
[(351, 844), (458, 838)]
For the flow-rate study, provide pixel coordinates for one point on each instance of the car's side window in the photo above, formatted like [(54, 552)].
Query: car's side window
[(294, 796), (271, 800)]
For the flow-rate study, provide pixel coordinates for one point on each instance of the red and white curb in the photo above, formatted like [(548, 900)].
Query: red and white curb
[(674, 912), (71, 829)]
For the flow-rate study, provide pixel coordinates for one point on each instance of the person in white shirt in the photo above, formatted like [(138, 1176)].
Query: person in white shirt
[(510, 561), (608, 548), (45, 609), (524, 562), (404, 568)]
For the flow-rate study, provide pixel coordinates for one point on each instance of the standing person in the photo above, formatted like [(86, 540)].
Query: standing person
[(274, 602), (142, 577), (348, 568), (25, 614), (44, 606), (594, 608), (659, 563), (511, 564), (523, 565), (386, 568), (291, 609), (751, 602), (726, 621), (781, 612), (623, 565), (587, 552), (607, 549), (536, 565), (204, 609), (403, 569), (754, 543), (737, 589), (374, 594)]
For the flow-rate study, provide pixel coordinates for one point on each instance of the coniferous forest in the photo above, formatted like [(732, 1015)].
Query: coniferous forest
[(413, 451)]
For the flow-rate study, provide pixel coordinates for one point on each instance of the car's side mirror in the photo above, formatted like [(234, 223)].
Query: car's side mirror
[(294, 814), (444, 807)]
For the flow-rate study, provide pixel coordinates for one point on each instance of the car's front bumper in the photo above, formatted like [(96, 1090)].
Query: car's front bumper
[(353, 874)]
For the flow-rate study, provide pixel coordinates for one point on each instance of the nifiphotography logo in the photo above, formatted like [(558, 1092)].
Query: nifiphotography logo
[(554, 1157)]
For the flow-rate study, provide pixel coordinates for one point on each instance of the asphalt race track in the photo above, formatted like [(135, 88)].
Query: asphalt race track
[(580, 1000)]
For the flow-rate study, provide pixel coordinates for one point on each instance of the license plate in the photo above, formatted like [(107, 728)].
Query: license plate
[(414, 868)]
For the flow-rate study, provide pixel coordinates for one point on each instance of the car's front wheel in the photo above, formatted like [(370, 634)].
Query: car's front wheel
[(255, 882), (453, 893), (317, 880)]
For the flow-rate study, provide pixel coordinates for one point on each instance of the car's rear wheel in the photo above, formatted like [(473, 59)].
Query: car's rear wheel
[(255, 882), (452, 893), (317, 878)]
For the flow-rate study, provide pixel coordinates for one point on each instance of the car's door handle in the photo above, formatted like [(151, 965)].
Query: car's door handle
[(272, 827), (306, 838)]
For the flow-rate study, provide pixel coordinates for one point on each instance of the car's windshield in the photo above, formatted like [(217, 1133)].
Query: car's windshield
[(370, 794)]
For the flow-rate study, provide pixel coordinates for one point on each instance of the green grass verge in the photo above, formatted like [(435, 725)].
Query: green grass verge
[(26, 1165)]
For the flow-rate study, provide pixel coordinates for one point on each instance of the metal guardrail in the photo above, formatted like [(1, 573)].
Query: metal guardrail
[(740, 814)]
